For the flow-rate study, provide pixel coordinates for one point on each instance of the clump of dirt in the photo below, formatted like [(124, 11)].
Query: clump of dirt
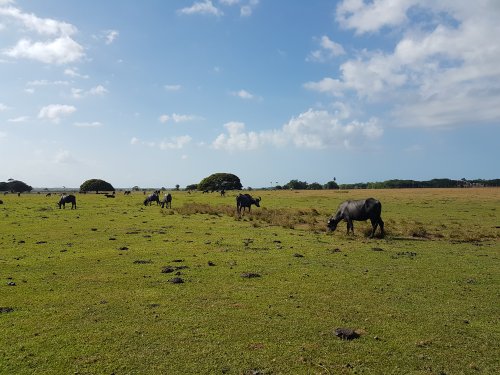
[(346, 333), (297, 255), (176, 280), (5, 310)]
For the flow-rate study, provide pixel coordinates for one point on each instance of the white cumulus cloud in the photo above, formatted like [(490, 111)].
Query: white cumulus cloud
[(311, 130), (54, 112), (58, 51)]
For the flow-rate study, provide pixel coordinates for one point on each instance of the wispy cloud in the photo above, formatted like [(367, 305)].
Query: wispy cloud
[(328, 50), (173, 143), (73, 72), (178, 118), (243, 94), (19, 119), (3, 107), (111, 36), (205, 7), (95, 124), (98, 90), (172, 87)]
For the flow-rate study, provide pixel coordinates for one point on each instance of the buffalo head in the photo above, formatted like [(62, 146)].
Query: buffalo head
[(257, 201), (331, 224)]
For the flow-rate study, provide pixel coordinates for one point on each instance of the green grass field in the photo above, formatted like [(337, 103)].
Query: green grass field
[(90, 291)]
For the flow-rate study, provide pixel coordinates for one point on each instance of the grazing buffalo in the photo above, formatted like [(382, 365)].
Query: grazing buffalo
[(167, 201), (152, 198), (67, 199), (245, 201), (360, 211), (1, 201)]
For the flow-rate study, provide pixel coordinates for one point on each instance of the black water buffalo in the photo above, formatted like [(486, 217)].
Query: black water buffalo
[(152, 198), (67, 199), (167, 200), (245, 201), (360, 211)]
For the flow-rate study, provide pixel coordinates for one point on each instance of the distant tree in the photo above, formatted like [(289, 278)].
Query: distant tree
[(192, 187), (296, 185), (332, 185), (136, 188), (219, 181), (177, 187), (96, 185), (14, 186), (315, 186)]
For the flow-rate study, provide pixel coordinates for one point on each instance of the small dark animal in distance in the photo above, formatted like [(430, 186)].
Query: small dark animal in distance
[(166, 201), (245, 201), (360, 210), (154, 197), (67, 199)]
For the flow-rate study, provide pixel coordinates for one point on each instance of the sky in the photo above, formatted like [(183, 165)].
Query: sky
[(162, 93)]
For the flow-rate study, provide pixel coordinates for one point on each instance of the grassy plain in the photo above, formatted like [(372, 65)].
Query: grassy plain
[(83, 292)]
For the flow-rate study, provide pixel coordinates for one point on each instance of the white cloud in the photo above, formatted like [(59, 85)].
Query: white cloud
[(311, 130), (371, 16), (329, 49), (3, 107), (172, 87), (94, 124), (178, 118), (64, 157), (62, 50), (247, 10), (99, 90), (44, 82), (111, 36), (73, 72), (175, 143), (327, 85), (44, 26), (243, 94), (54, 112), (229, 2), (204, 7), (443, 70), (19, 119)]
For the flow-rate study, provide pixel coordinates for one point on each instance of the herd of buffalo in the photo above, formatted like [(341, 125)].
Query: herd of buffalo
[(349, 211)]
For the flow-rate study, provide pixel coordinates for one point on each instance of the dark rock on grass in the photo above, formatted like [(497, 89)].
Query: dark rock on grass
[(170, 269), (5, 310), (178, 260), (167, 269), (346, 333), (123, 248), (40, 242), (250, 275), (297, 255), (377, 249), (210, 263), (336, 250), (93, 229), (176, 280)]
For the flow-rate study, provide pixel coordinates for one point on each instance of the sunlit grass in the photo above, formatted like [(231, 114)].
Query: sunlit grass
[(90, 296)]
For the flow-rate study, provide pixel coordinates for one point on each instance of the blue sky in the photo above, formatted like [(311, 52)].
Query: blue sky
[(159, 93)]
